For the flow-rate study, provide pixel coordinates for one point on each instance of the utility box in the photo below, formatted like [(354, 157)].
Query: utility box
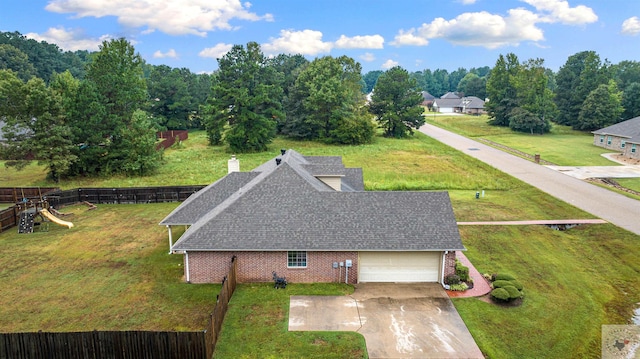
[(348, 263)]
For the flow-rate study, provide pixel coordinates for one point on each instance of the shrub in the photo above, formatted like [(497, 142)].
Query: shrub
[(517, 284), (502, 283), (451, 279), (462, 271), (488, 276), (503, 276), (500, 294), (514, 293), (459, 287)]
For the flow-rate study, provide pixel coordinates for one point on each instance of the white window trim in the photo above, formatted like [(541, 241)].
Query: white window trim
[(306, 260)]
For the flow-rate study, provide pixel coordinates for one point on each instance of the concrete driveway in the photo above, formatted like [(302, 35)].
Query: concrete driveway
[(397, 320)]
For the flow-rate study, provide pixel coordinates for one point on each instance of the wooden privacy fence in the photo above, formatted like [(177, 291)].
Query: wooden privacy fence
[(170, 137), (130, 195), (58, 199), (104, 345), (222, 304)]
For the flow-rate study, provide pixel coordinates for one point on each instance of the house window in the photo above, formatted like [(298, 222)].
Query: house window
[(296, 259), (622, 143), (608, 140), (601, 138), (633, 148)]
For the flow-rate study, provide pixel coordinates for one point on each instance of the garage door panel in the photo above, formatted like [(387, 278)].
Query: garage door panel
[(399, 266)]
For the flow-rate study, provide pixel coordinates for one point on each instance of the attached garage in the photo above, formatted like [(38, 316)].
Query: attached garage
[(399, 266)]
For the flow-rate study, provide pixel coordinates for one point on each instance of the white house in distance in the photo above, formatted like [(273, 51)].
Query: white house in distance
[(451, 102)]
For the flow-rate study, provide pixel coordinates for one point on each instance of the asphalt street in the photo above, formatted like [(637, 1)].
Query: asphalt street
[(608, 205)]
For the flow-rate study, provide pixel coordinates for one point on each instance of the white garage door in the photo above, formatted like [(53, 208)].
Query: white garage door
[(399, 266)]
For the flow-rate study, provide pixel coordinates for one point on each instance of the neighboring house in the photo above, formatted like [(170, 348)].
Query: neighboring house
[(452, 103), (309, 219), (427, 99), (623, 137)]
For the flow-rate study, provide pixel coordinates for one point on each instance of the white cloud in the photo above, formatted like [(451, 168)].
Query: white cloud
[(389, 64), (216, 52), (631, 26), (68, 39), (560, 11), (305, 42), (494, 30), (169, 54), (173, 17), (468, 2), (360, 42), (367, 57)]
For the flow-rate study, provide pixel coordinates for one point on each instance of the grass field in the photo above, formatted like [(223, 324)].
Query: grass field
[(111, 271)]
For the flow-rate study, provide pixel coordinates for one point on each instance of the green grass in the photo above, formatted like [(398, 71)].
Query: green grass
[(575, 281), (110, 272), (262, 326)]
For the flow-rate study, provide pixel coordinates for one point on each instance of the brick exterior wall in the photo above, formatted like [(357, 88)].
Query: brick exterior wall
[(450, 263), (616, 145), (211, 267)]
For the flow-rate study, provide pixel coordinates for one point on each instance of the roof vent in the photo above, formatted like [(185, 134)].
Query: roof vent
[(278, 160), (283, 151)]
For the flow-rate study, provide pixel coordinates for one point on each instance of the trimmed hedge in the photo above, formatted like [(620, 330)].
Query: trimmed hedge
[(514, 293), (460, 287), (503, 276), (500, 294), (501, 283), (516, 284)]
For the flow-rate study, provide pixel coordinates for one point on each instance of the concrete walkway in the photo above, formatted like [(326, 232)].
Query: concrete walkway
[(610, 206), (480, 285)]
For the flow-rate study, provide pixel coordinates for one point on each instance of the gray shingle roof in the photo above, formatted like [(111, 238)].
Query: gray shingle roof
[(286, 208), (629, 129)]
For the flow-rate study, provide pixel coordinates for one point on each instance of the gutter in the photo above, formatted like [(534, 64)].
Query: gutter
[(186, 266)]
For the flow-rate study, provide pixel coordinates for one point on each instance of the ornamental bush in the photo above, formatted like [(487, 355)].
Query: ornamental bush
[(461, 287), (503, 276), (516, 284), (462, 271), (500, 294), (451, 279), (514, 293), (501, 283)]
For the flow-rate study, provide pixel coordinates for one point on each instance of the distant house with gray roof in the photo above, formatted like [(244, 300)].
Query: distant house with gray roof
[(622, 137), (308, 218), (452, 102)]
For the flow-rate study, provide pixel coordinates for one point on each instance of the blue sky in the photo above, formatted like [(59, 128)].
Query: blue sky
[(414, 34)]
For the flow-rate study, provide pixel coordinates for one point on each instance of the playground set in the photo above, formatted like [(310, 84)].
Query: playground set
[(38, 214)]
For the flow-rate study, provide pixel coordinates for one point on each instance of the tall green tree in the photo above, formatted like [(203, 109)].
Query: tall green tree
[(370, 79), (532, 88), (171, 103), (327, 103), (396, 103), (12, 58), (581, 74), (245, 96), (631, 101), (287, 67), (601, 108), (35, 125), (113, 90), (501, 91), (473, 85)]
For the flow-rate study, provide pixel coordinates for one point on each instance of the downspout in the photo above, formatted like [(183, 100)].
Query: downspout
[(170, 238), (444, 260), (186, 266)]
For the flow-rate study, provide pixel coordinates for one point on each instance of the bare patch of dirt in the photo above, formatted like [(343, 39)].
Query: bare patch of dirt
[(626, 160)]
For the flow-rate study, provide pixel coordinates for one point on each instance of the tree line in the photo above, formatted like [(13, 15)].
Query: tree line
[(83, 113)]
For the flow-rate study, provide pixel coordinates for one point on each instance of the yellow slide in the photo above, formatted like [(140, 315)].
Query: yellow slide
[(44, 212)]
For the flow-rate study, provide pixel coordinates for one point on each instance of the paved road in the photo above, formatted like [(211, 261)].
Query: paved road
[(610, 206)]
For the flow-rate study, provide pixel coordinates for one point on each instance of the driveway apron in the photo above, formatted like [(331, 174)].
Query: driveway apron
[(397, 320)]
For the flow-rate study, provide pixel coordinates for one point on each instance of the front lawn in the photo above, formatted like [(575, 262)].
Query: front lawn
[(574, 282), (258, 318)]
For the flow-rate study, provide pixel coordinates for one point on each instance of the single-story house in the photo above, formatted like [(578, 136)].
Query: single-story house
[(308, 218), (452, 103), (623, 137), (427, 99)]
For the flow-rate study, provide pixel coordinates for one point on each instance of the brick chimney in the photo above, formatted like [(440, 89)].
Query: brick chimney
[(233, 164)]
